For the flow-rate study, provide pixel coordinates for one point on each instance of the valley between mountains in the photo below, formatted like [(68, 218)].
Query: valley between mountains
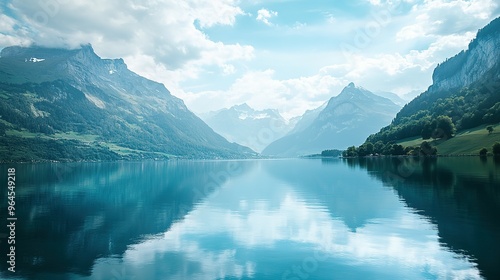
[(72, 105)]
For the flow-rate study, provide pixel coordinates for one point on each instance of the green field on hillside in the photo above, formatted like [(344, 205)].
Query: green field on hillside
[(22, 145), (468, 142)]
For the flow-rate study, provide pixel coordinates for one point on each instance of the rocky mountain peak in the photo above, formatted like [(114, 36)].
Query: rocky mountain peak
[(338, 124), (242, 107), (84, 54), (349, 90), (353, 92)]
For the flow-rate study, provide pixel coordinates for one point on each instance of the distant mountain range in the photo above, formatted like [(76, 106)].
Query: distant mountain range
[(393, 97), (59, 104), (466, 88), (259, 129), (345, 120), (246, 126)]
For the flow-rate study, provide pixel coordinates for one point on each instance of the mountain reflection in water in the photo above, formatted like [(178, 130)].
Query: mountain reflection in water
[(268, 219)]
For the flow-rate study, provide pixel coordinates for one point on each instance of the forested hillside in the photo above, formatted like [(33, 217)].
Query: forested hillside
[(465, 90)]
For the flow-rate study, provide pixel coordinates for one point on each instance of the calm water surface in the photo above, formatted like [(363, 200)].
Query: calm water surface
[(268, 219)]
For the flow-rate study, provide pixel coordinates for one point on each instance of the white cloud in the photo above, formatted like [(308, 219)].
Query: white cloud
[(261, 90), (264, 15), (331, 19), (411, 32), (6, 24), (375, 2), (163, 32), (211, 13), (10, 34), (440, 18), (400, 72), (257, 88), (9, 40), (299, 25), (228, 69)]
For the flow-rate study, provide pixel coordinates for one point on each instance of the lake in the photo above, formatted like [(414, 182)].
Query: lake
[(256, 219)]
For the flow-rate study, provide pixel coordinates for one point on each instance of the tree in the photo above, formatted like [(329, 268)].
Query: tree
[(427, 150), (415, 151), (427, 130), (490, 129), (369, 147), (362, 151), (397, 150), (331, 153), (483, 152), (387, 150), (350, 152), (496, 149), (444, 127), (378, 147)]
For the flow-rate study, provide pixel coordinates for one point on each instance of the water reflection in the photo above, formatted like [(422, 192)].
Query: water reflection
[(283, 219), (72, 214), (269, 221), (461, 196)]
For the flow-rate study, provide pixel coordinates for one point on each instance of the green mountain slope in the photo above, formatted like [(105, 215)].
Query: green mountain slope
[(466, 142), (465, 88), (60, 104)]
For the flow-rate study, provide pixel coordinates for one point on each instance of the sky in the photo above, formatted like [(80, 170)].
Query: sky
[(290, 55)]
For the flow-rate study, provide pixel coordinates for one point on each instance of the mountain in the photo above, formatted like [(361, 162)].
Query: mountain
[(59, 104), (472, 65), (307, 119), (345, 120), (407, 97), (393, 97), (465, 90), (244, 125)]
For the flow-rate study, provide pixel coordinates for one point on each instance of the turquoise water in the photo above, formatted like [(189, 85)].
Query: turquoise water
[(257, 219)]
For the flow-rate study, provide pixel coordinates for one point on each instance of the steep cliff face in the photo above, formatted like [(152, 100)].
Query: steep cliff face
[(471, 65)]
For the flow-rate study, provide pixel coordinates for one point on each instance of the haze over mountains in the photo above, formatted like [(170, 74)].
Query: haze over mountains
[(400, 101), (346, 119), (258, 129), (244, 125), (72, 105), (304, 121)]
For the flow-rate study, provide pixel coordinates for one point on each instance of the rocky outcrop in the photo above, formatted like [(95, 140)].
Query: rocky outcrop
[(471, 65)]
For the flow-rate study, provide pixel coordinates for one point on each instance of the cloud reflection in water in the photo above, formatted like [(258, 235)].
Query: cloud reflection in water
[(258, 226)]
